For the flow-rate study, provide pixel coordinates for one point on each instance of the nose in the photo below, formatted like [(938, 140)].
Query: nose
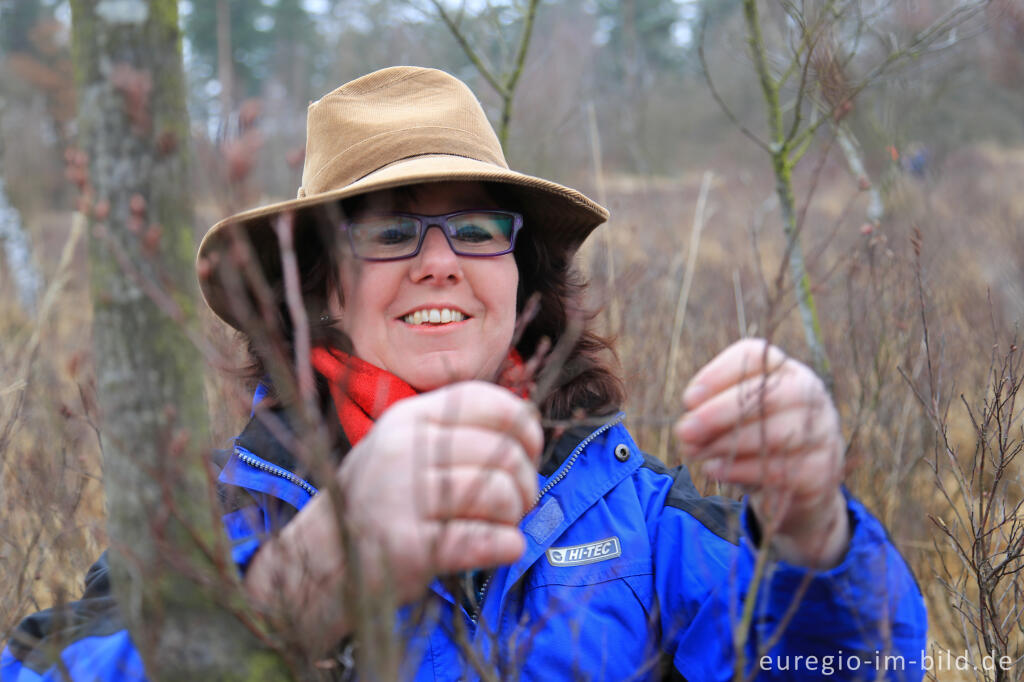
[(436, 261)]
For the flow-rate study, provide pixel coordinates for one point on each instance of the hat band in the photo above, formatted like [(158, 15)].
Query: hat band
[(373, 153)]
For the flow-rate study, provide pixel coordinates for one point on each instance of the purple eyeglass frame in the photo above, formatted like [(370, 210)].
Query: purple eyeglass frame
[(428, 221)]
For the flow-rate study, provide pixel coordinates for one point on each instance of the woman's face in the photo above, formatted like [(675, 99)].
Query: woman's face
[(379, 297)]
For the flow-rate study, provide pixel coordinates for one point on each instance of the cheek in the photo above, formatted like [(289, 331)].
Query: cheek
[(343, 296), (356, 297), (504, 288)]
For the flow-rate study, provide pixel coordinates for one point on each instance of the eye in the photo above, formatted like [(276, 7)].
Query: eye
[(390, 236), (372, 234), (473, 233), (482, 229)]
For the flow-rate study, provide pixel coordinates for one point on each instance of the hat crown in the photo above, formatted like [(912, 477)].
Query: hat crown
[(389, 115)]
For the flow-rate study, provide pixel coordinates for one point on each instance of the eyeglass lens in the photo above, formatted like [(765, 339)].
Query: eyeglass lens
[(395, 236)]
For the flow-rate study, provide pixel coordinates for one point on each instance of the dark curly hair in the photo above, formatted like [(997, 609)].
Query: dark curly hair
[(586, 382)]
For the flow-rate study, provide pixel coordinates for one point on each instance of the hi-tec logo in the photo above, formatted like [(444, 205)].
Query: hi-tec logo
[(590, 553)]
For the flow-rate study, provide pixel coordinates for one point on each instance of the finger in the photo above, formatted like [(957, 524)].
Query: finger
[(477, 403), (752, 399), (472, 493), (468, 446), (741, 360), (407, 556), (464, 545), (791, 430), (809, 471)]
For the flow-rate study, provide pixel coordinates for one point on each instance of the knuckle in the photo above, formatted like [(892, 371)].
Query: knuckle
[(518, 460), (815, 384), (775, 476), (507, 501)]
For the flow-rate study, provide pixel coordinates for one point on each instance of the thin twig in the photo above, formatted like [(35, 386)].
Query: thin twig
[(681, 300), (706, 72), (293, 299)]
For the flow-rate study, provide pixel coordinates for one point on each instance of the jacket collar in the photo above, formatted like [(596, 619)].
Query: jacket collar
[(564, 443), (270, 432)]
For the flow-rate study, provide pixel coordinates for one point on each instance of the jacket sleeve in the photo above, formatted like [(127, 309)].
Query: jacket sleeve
[(862, 620), (85, 640)]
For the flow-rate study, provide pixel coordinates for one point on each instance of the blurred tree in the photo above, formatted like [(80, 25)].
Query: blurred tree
[(172, 573), (40, 59), (268, 40), (28, 281), (253, 67), (17, 19), (296, 40), (250, 41), (639, 47), (35, 73), (640, 37), (225, 60), (712, 12), (1006, 17), (505, 77)]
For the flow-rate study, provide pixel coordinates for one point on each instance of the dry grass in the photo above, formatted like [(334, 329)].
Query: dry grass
[(51, 523)]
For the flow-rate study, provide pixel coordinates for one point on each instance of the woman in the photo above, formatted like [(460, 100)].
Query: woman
[(482, 534)]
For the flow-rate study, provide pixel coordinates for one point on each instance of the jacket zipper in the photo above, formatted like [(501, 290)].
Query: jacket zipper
[(555, 480), (257, 463)]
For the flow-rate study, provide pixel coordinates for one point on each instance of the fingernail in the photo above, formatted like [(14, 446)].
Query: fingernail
[(694, 394)]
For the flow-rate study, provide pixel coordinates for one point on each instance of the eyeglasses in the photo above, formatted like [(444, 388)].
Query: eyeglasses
[(393, 236)]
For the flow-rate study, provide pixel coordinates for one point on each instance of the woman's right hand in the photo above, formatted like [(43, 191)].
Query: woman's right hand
[(438, 485)]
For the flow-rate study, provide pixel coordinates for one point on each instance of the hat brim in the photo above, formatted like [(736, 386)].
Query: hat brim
[(560, 215)]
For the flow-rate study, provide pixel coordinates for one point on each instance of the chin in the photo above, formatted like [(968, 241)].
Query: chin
[(427, 378), (438, 371)]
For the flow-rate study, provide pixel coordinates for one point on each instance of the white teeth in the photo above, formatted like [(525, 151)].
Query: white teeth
[(434, 316)]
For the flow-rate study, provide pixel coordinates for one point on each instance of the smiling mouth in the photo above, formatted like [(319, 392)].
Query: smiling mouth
[(434, 316)]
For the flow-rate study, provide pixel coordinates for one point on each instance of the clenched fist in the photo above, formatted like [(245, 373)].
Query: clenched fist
[(759, 419), (437, 486)]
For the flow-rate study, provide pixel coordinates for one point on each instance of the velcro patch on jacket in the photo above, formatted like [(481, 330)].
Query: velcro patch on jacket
[(589, 553)]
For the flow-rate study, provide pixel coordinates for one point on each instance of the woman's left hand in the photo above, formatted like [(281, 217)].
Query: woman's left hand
[(764, 421)]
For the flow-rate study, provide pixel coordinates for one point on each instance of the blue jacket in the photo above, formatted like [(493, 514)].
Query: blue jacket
[(628, 574)]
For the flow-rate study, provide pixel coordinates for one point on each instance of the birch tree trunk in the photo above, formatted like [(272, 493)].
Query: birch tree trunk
[(225, 62), (18, 254), (172, 574)]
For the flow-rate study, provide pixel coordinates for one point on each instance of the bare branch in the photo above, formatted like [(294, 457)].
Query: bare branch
[(471, 53), (706, 71)]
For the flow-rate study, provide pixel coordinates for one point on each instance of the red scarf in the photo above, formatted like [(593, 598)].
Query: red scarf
[(362, 391)]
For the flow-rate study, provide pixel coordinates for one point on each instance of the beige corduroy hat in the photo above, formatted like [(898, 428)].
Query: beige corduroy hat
[(398, 126)]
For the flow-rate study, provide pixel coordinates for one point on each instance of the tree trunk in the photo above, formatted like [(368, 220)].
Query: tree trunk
[(225, 61), (172, 574)]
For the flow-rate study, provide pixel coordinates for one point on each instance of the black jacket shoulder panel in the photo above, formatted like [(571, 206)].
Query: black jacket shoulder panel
[(718, 514)]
